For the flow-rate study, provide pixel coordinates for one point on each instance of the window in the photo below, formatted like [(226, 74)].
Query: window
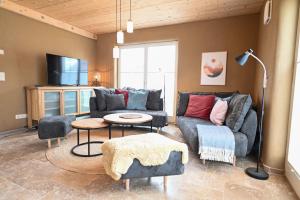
[(150, 66)]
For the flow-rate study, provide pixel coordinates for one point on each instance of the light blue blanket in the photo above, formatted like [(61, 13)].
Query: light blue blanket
[(216, 143)]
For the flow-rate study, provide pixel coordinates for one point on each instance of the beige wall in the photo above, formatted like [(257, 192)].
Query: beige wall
[(26, 42), (234, 34), (276, 49)]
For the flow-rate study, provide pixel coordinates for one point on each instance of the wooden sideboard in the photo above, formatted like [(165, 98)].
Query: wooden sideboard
[(47, 101)]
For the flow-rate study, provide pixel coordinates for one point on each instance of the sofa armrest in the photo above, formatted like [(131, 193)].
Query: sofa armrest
[(249, 128), (161, 104), (93, 104)]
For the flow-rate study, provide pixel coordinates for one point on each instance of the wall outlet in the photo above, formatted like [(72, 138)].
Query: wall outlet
[(2, 76), (1, 52), (21, 116)]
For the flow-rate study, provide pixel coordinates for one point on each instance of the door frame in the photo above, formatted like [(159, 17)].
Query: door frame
[(146, 45), (291, 174)]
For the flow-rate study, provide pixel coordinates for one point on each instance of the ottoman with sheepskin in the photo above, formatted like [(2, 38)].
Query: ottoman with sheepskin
[(141, 156)]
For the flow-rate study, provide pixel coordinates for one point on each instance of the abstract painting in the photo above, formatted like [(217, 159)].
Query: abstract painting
[(213, 68)]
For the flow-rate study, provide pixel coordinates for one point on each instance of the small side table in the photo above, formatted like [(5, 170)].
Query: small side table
[(87, 124)]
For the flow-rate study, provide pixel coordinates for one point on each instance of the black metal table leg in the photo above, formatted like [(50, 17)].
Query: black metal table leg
[(123, 130), (78, 136), (89, 144), (151, 126), (109, 131)]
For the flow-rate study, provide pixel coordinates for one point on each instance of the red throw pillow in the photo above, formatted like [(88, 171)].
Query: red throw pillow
[(124, 92), (200, 106)]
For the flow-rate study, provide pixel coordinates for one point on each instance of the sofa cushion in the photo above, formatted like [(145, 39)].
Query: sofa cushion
[(218, 112), (125, 93), (137, 99), (100, 98), (237, 110), (189, 131), (187, 125), (183, 99), (249, 128), (241, 144), (200, 106), (115, 101), (153, 100)]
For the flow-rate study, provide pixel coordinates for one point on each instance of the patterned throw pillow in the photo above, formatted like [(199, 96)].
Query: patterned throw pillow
[(218, 113), (137, 99), (237, 110)]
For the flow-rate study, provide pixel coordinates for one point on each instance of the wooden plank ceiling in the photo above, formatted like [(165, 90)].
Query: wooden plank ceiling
[(98, 16)]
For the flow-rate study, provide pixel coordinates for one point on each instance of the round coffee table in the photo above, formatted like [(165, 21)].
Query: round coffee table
[(87, 124), (127, 119)]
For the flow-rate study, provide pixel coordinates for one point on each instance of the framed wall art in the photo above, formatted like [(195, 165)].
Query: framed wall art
[(213, 68)]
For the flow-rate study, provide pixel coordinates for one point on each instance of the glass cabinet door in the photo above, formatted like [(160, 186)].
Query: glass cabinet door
[(70, 102), (51, 103), (85, 96)]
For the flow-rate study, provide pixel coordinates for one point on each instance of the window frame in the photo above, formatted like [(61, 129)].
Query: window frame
[(292, 175), (146, 47)]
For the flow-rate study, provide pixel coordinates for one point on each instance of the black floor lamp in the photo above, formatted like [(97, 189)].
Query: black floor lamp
[(256, 172)]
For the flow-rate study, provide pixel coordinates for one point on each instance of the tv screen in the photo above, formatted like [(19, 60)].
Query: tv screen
[(66, 71)]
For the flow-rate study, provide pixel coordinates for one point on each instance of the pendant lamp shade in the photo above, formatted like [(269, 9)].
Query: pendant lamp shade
[(116, 52), (130, 22), (120, 37), (129, 26)]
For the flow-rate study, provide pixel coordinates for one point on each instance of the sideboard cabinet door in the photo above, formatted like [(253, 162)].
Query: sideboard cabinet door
[(70, 102), (85, 96), (52, 103)]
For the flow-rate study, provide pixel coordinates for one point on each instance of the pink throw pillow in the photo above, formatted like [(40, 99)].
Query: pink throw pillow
[(218, 113)]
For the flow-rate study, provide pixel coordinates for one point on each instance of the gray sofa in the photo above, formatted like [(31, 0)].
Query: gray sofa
[(160, 117), (244, 137)]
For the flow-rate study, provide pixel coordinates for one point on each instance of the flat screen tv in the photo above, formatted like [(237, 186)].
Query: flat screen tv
[(66, 71)]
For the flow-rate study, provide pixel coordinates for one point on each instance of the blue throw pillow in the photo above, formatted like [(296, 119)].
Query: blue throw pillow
[(137, 99)]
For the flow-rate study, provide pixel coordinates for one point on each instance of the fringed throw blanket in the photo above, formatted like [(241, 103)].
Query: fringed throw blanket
[(150, 149), (216, 143)]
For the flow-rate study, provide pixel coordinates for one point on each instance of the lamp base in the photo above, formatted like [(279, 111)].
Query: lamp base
[(260, 174)]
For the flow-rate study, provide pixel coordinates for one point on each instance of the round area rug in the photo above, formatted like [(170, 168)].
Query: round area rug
[(61, 156)]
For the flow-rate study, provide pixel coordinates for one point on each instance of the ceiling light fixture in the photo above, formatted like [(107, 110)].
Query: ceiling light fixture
[(116, 50), (120, 33), (130, 22)]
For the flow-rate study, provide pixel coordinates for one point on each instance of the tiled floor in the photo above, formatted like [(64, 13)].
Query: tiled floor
[(25, 173)]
